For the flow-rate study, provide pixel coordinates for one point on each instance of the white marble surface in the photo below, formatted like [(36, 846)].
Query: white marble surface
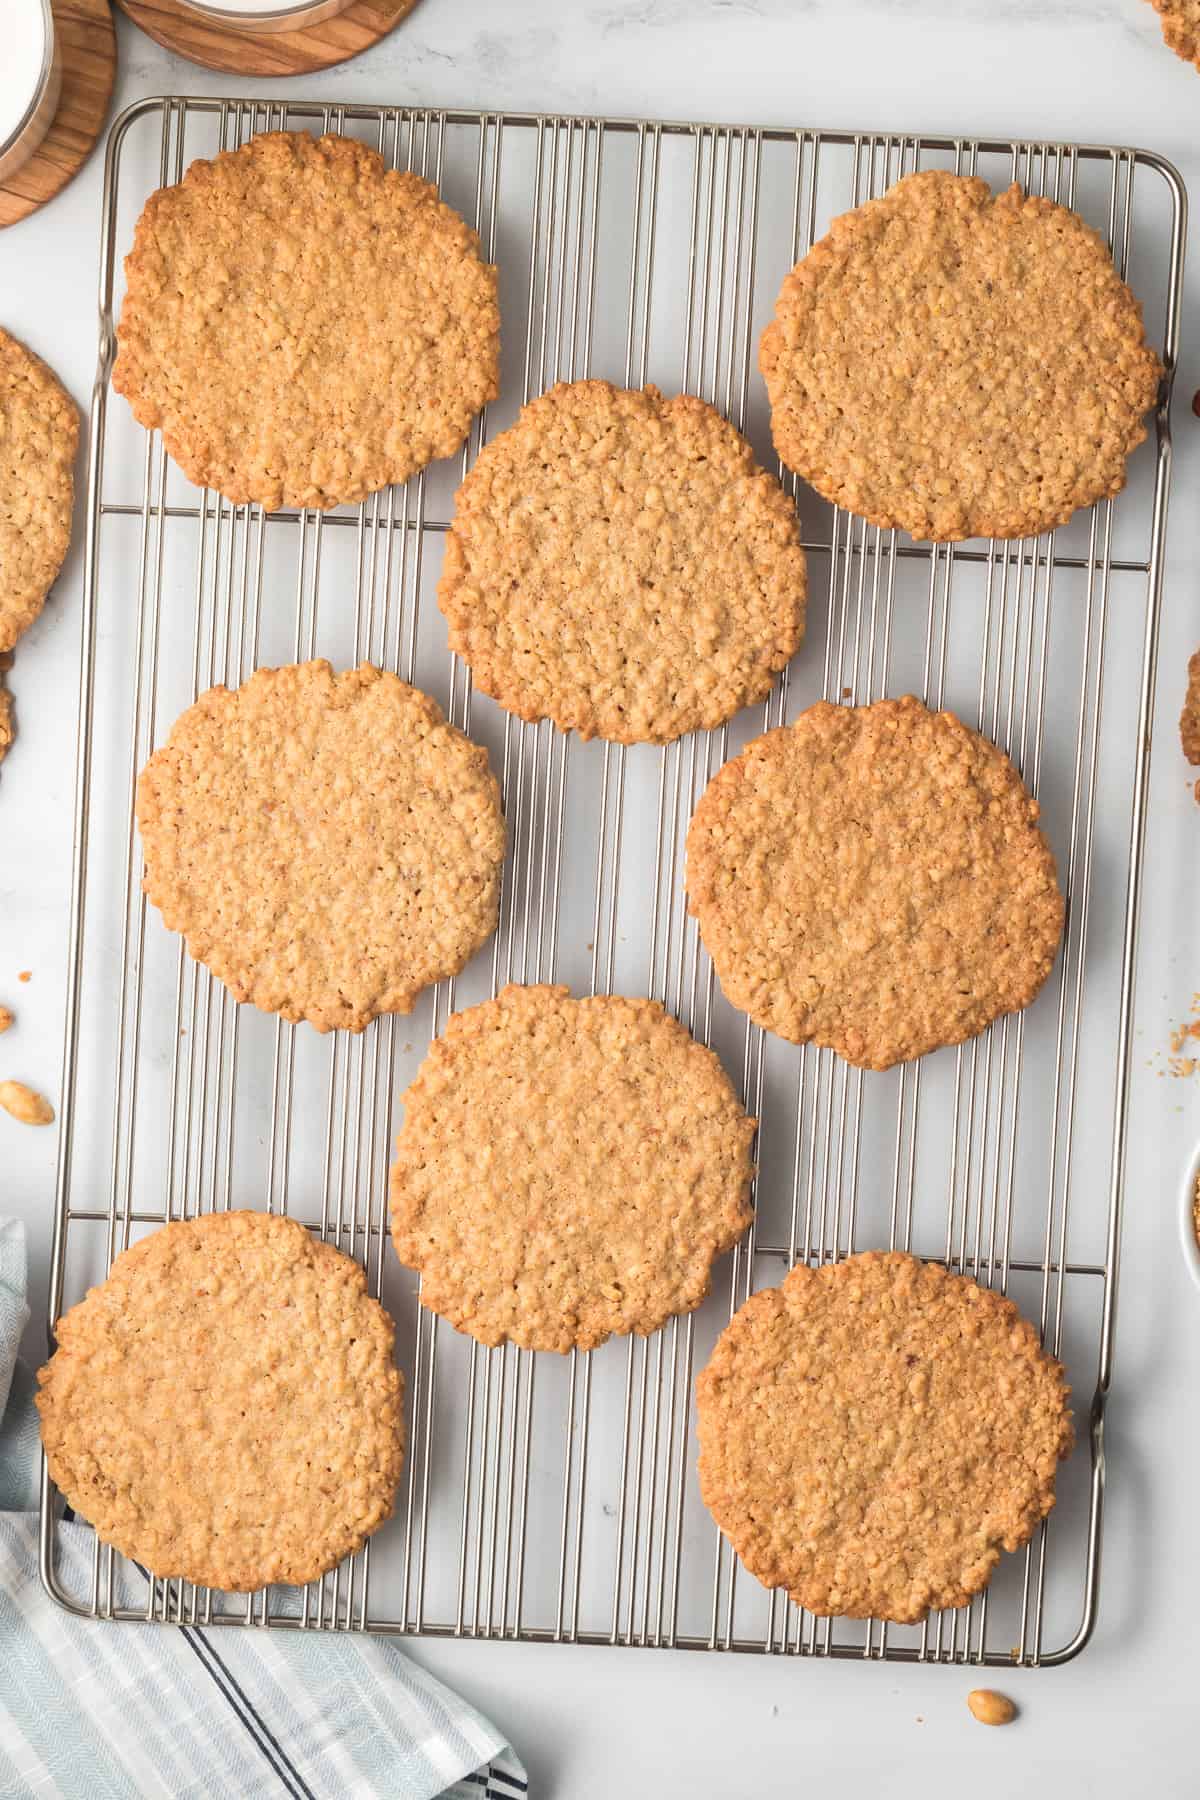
[(594, 1723)]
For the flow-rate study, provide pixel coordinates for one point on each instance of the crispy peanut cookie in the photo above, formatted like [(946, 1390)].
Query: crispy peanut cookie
[(874, 1432), (1189, 718), (305, 325), (1181, 27), (873, 879), (224, 1407), (568, 1169), (39, 435), (957, 365), (327, 844), (620, 564)]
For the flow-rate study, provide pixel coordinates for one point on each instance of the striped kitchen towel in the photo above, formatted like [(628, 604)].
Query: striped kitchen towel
[(126, 1712)]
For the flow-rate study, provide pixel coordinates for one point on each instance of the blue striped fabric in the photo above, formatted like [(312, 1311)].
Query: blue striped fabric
[(118, 1712)]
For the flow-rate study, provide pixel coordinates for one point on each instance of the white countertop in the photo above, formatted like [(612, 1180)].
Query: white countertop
[(596, 1722)]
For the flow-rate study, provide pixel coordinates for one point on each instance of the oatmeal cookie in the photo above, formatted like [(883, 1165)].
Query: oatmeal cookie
[(620, 564), (39, 435), (305, 325), (1181, 27), (568, 1169), (1189, 718), (874, 879), (959, 365), (327, 844), (873, 1433), (224, 1407)]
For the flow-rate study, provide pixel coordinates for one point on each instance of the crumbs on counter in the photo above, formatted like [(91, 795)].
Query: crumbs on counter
[(25, 975), (1183, 1057)]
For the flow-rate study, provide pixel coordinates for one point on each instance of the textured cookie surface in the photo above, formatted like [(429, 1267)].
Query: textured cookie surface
[(326, 843), (568, 1169), (957, 365), (874, 879), (39, 435), (1181, 27), (1189, 718), (305, 325), (620, 564), (224, 1407), (8, 730), (873, 1433)]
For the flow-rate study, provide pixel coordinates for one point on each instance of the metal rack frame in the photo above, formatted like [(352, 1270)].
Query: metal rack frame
[(518, 1576)]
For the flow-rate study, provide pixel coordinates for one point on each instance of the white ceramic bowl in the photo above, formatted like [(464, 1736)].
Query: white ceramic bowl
[(265, 15), (1187, 1223), (30, 83)]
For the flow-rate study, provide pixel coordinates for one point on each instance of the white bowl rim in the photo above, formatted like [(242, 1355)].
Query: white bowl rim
[(1187, 1225)]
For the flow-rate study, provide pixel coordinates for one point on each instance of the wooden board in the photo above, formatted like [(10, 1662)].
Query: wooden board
[(89, 65), (270, 52)]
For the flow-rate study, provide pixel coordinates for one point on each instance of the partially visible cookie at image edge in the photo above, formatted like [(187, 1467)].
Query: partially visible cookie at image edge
[(39, 437)]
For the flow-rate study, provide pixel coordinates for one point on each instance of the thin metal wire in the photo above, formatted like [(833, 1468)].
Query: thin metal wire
[(555, 1500)]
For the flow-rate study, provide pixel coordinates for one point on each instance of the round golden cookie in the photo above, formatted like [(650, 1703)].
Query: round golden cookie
[(957, 365), (39, 435), (873, 1433), (568, 1169), (327, 844), (620, 564), (224, 1407), (305, 325), (873, 879), (1181, 27)]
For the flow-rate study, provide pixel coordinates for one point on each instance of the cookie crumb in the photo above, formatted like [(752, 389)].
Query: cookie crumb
[(24, 1105), (991, 1708), (25, 975), (6, 1018)]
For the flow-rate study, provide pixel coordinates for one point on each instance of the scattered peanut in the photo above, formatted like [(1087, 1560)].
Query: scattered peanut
[(24, 1104), (991, 1708), (6, 1018)]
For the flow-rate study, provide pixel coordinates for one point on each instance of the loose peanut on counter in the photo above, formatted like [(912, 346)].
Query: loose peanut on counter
[(21, 1101), (6, 1018), (991, 1708)]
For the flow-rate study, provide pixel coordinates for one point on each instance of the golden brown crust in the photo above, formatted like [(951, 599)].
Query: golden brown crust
[(224, 1407), (874, 1432), (327, 844), (620, 564), (39, 436), (958, 365), (304, 325), (873, 879), (1181, 27), (568, 1169), (1189, 718)]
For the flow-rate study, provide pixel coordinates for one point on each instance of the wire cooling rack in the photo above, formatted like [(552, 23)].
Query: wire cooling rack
[(547, 1497)]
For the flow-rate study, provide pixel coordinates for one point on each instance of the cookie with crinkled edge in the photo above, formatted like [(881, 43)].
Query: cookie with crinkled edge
[(874, 879), (39, 436), (958, 365), (327, 844), (874, 1432), (224, 1406), (1180, 20), (619, 563), (568, 1169), (305, 325)]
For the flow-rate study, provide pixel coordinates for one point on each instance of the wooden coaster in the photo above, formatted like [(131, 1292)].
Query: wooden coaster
[(270, 52), (89, 65)]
